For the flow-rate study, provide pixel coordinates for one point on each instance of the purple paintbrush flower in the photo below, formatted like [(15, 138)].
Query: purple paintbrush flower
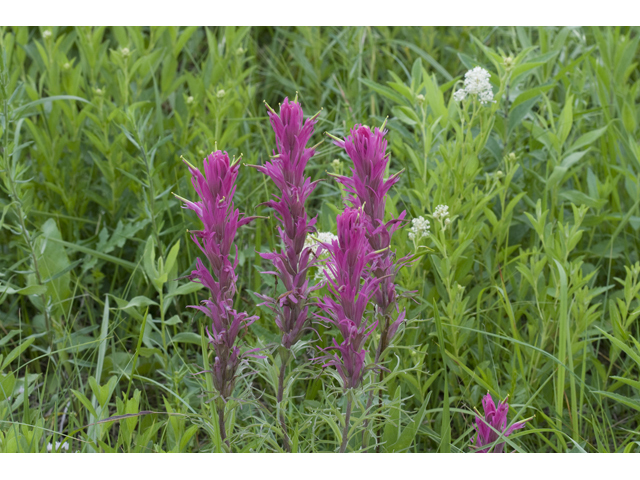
[(494, 421), (220, 221), (292, 262), (351, 289), (367, 189), (286, 169)]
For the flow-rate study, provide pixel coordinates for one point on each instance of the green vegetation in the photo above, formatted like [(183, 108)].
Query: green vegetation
[(532, 290)]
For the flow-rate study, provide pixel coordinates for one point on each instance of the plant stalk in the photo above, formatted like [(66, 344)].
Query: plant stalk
[(345, 431), (283, 368)]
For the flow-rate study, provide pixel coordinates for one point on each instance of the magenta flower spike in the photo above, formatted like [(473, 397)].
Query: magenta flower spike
[(367, 189), (220, 221), (286, 169), (351, 288), (495, 419)]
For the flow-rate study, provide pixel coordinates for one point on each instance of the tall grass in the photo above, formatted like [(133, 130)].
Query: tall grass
[(531, 291)]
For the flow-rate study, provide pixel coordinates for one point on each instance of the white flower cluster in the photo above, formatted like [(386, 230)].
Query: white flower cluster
[(441, 212), (59, 447), (313, 242), (419, 229), (476, 82), (46, 34)]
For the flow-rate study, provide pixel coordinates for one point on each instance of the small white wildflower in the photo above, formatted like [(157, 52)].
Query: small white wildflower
[(447, 221), (420, 99), (189, 100), (321, 274), (476, 81), (66, 66), (486, 97), (46, 34), (59, 447), (125, 52), (419, 229), (460, 95), (221, 93), (441, 212), (314, 241), (99, 91)]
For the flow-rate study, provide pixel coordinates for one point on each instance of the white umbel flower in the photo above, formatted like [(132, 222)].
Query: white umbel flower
[(460, 95), (476, 82), (46, 34), (314, 241), (419, 229), (441, 212), (486, 97)]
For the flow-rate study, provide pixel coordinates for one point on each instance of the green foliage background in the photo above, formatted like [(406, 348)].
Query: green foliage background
[(532, 291)]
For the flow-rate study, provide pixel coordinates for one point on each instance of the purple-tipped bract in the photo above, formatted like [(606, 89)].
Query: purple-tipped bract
[(220, 221), (286, 169), (367, 189), (351, 288), (495, 419)]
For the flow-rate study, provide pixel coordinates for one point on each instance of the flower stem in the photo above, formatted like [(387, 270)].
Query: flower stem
[(283, 368), (345, 431), (223, 432)]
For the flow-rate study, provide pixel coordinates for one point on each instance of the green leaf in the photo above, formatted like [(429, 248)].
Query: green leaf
[(13, 354), (54, 267), (103, 393), (30, 290), (408, 435), (85, 401), (587, 139), (187, 337), (138, 302), (171, 258), (392, 427), (635, 404), (406, 115), (7, 382), (103, 256), (384, 91)]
